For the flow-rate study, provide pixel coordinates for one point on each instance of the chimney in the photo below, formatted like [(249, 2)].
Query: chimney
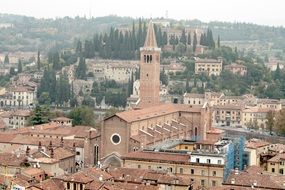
[(236, 171), (90, 132), (61, 142), (28, 151), (50, 145), (40, 146), (74, 147), (51, 153)]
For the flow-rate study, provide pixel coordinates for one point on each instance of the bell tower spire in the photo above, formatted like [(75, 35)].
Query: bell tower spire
[(150, 40), (149, 70)]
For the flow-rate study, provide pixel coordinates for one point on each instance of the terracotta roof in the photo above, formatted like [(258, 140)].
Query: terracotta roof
[(228, 107), (8, 159), (256, 143), (277, 158), (254, 176), (234, 65), (154, 111), (207, 61), (50, 184), (134, 175), (193, 95), (33, 171), (157, 156), (87, 176), (255, 110), (22, 113), (61, 119), (59, 154)]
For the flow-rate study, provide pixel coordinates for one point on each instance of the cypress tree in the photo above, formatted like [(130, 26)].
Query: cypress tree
[(81, 69), (219, 45), (194, 42), (6, 59), (189, 39), (20, 67), (183, 38), (39, 61)]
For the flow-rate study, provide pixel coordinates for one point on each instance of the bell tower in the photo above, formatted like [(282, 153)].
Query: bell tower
[(149, 70)]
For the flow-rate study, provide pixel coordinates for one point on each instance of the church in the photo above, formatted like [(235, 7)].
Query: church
[(151, 121)]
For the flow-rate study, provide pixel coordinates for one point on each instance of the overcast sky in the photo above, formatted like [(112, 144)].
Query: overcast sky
[(267, 12)]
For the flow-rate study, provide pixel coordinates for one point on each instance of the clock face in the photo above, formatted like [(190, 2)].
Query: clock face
[(115, 139)]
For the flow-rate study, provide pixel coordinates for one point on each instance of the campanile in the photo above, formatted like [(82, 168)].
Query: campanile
[(149, 70)]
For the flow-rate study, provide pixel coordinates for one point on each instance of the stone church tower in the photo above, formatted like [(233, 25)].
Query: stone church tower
[(149, 70)]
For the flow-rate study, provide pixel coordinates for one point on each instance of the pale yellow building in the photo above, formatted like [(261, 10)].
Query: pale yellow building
[(255, 117), (209, 66), (202, 174)]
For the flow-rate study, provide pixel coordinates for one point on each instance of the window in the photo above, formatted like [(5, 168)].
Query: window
[(273, 170), (149, 167), (203, 182), (116, 139), (202, 172), (192, 171), (81, 186), (209, 161), (197, 160), (281, 171), (139, 166), (96, 154), (186, 147), (68, 185), (74, 186), (213, 183), (170, 169), (219, 161), (181, 170), (214, 173)]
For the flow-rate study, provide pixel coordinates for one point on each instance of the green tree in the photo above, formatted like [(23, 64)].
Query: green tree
[(81, 69), (88, 101), (79, 48), (20, 66), (82, 115), (39, 61), (194, 42), (40, 115), (12, 71), (62, 90), (183, 38), (280, 122), (44, 99), (270, 121), (219, 43), (163, 77), (6, 59), (189, 39)]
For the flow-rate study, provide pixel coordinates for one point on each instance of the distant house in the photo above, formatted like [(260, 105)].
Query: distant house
[(209, 66), (236, 69)]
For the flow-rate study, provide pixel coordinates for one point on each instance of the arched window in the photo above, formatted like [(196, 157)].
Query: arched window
[(96, 154)]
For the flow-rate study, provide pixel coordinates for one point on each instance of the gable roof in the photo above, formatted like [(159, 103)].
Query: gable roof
[(154, 111)]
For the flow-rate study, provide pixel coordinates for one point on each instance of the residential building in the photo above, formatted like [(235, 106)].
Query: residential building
[(253, 177), (209, 66), (254, 117), (236, 69), (227, 115), (194, 99), (271, 104)]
